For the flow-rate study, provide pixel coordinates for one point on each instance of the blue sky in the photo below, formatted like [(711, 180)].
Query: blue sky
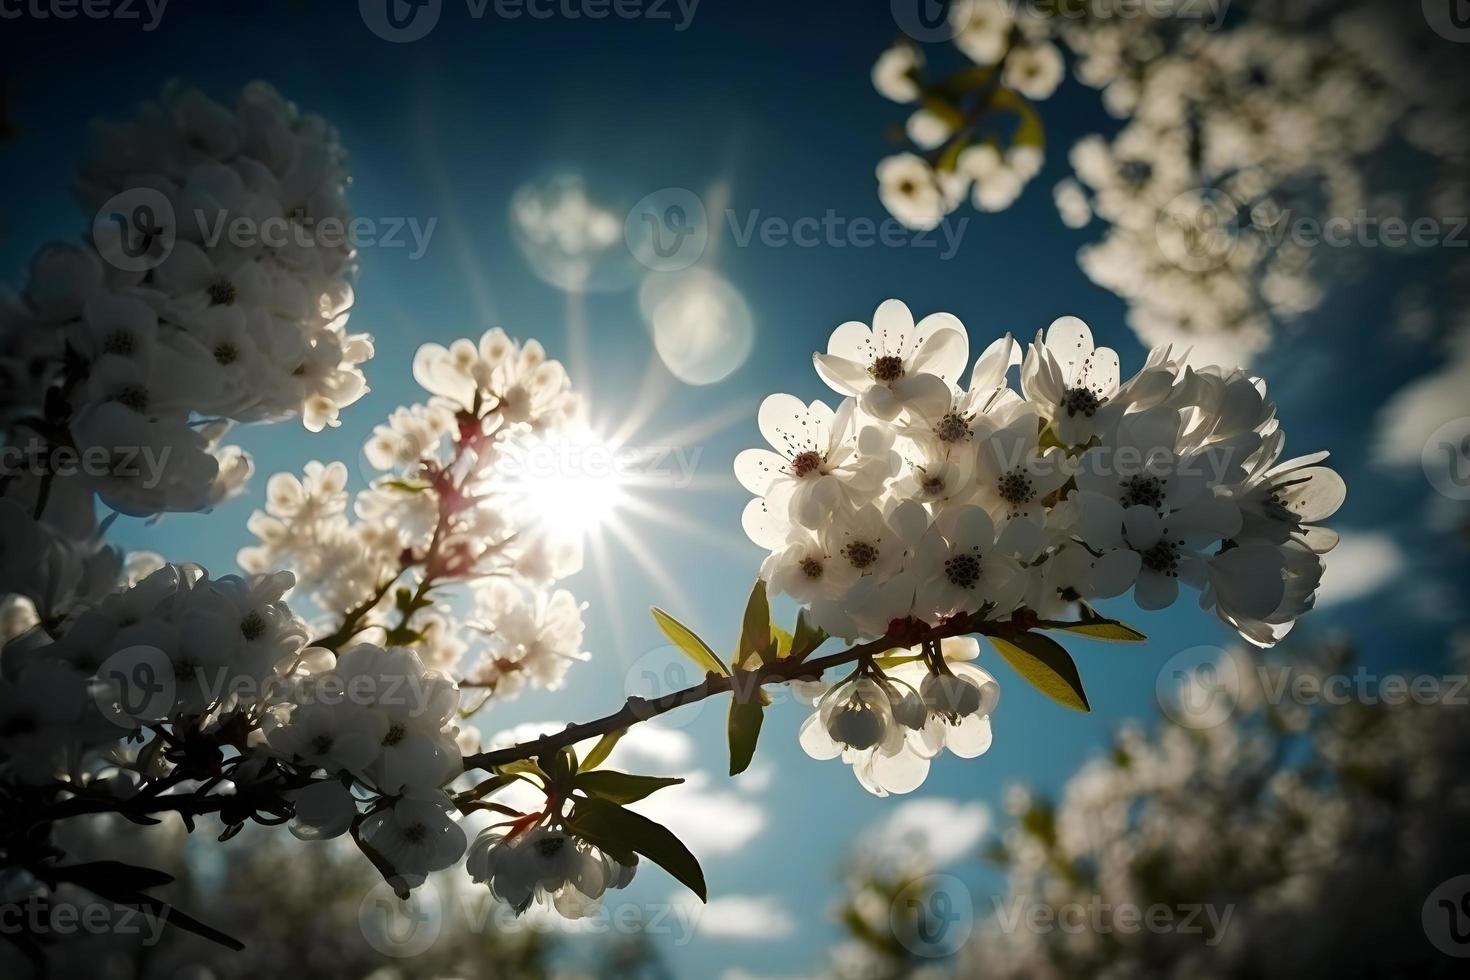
[(771, 99)]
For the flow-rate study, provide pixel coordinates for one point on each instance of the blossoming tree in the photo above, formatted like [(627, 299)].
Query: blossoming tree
[(1239, 123), (331, 688), (1277, 817)]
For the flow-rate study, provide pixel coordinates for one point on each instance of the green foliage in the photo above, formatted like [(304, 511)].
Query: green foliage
[(744, 730), (1104, 629), (621, 833), (688, 641), (806, 638), (1043, 663), (756, 641), (602, 749), (622, 787)]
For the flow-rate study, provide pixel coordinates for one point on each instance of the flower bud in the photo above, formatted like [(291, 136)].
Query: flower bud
[(856, 726), (950, 695), (910, 711)]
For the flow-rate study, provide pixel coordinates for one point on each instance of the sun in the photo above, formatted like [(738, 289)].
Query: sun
[(573, 484)]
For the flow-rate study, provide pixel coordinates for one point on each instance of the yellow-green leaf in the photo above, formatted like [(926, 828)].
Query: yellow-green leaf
[(949, 160), (807, 637), (622, 787), (1105, 629), (1046, 666), (687, 640), (602, 749), (755, 629), (962, 82), (942, 108)]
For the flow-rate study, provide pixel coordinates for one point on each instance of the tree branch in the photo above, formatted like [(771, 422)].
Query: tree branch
[(637, 709)]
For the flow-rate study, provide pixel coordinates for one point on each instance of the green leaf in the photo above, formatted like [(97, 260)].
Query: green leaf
[(523, 767), (622, 787), (942, 108), (745, 729), (564, 765), (949, 160), (755, 629), (807, 638), (780, 642), (406, 600), (615, 830), (888, 663), (1103, 629), (494, 784), (1030, 131), (402, 636), (406, 487), (687, 640), (1046, 666), (964, 81), (602, 749)]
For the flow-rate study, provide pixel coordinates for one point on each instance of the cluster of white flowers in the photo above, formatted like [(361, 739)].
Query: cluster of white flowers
[(248, 307), (123, 680), (1276, 817), (457, 504), (366, 739), (125, 359), (1200, 238), (360, 731), (225, 659), (958, 151), (888, 726), (919, 499), (374, 719), (224, 662), (541, 865), (177, 647), (1289, 104)]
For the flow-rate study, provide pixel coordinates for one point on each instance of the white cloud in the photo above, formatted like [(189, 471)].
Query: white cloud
[(1410, 417), (648, 746), (740, 916), (946, 830), (642, 747), (758, 778), (709, 822), (1362, 563)]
